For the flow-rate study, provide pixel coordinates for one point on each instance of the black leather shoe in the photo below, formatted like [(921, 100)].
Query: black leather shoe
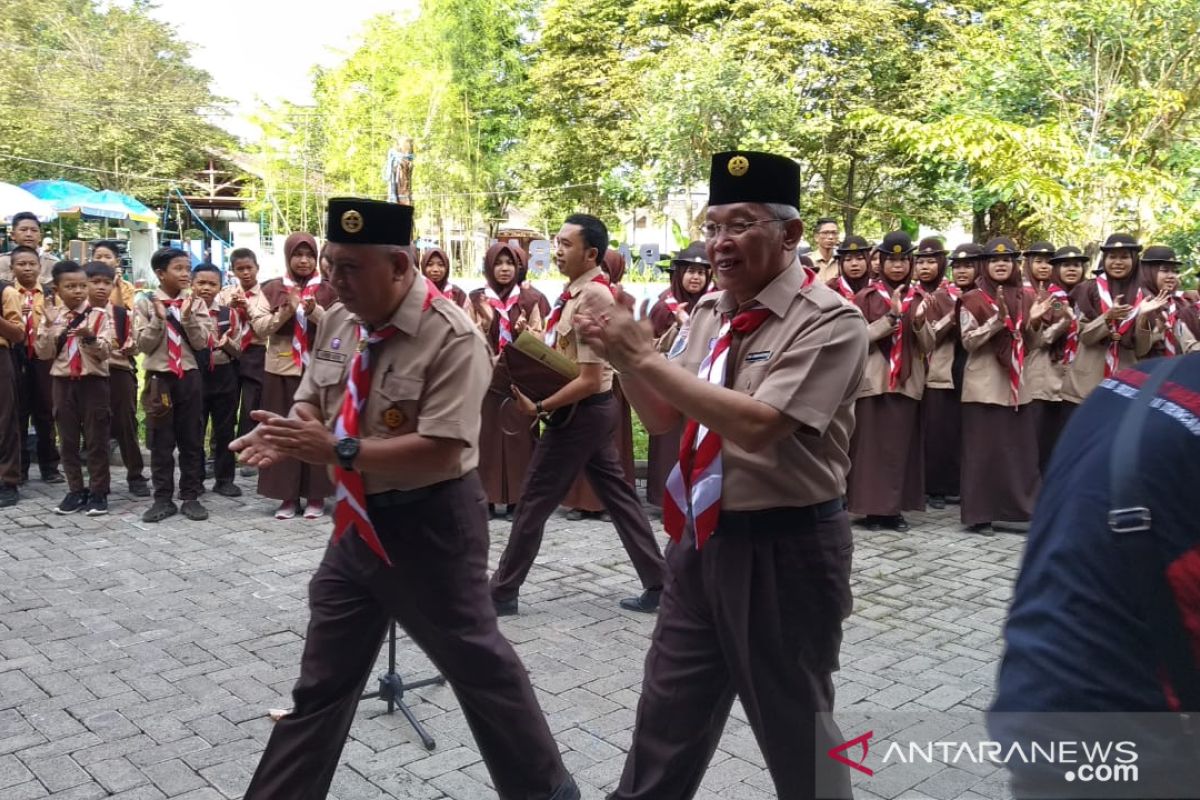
[(1011, 527), (567, 791), (139, 488), (899, 524), (193, 510), (228, 489), (505, 608), (646, 602), (937, 501), (8, 495), (53, 476), (870, 522), (982, 528), (953, 499), (160, 511)]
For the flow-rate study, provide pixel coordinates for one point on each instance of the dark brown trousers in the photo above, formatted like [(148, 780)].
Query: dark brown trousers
[(250, 369), (10, 438), (436, 589), (81, 410), (757, 615), (220, 408), (289, 479), (941, 421), (123, 398), (583, 443), (181, 429), (35, 401)]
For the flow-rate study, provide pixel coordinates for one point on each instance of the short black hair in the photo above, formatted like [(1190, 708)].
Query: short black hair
[(65, 267), (98, 269), (243, 252), (21, 248), (108, 245), (164, 256), (595, 233), (825, 221), (207, 266), (22, 216)]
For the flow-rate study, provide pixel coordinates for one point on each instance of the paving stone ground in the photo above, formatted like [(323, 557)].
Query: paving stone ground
[(138, 661)]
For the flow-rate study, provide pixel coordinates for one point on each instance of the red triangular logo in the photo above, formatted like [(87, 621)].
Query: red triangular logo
[(865, 741)]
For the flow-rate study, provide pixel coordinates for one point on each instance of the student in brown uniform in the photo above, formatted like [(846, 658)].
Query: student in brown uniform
[(1108, 308), (75, 338), (405, 453), (26, 231), (580, 419), (435, 265), (254, 318), (691, 279), (34, 394), (124, 295), (1000, 475), (581, 500), (122, 382), (1069, 264), (887, 473), (12, 335), (171, 327), (297, 301), (218, 375), (502, 310), (852, 256), (760, 574)]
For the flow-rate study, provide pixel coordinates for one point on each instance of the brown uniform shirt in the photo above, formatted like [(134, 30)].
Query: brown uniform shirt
[(35, 310), (827, 269), (10, 309), (279, 326), (151, 333), (597, 296), (985, 379), (226, 342), (429, 378), (1042, 373), (878, 369), (122, 349), (806, 361), (257, 308), (45, 276), (97, 323)]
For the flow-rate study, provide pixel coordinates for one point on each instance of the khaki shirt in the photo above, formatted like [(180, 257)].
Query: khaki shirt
[(122, 351), (36, 310), (805, 361), (227, 342), (45, 276), (151, 333), (10, 309), (878, 369), (257, 307), (1087, 370), (429, 378), (1042, 373), (985, 379), (97, 323), (940, 371), (597, 296), (827, 269)]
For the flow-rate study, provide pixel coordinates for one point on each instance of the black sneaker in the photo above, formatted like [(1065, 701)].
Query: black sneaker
[(8, 495), (138, 487), (567, 791), (227, 489), (97, 505), (937, 501), (193, 510), (505, 608), (646, 603), (160, 511), (53, 476), (73, 502)]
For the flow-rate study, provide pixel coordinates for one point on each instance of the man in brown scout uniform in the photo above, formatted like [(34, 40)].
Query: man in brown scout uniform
[(26, 231), (766, 381), (391, 401), (12, 334)]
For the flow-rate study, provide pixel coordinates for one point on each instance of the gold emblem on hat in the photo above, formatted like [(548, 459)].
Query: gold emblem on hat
[(961, 254), (897, 248), (393, 418), (739, 166), (1000, 248), (352, 221), (854, 245)]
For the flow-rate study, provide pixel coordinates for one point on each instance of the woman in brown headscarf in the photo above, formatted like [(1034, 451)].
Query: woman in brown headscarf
[(998, 319), (887, 472), (502, 310), (581, 500), (851, 257), (435, 265), (1159, 321), (298, 301), (690, 279)]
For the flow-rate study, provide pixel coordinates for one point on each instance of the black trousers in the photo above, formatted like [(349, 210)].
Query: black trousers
[(757, 615), (221, 408), (81, 411), (122, 386), (10, 440), (583, 443), (250, 369), (35, 401), (182, 429), (436, 589)]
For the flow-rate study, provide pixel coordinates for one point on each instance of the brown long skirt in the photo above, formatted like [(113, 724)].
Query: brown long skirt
[(1000, 478), (1049, 419), (581, 495), (662, 457), (941, 422), (291, 479), (887, 465), (504, 457)]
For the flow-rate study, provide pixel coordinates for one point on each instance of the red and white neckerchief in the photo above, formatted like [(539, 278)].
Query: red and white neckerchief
[(844, 288), (671, 303), (351, 495), (300, 343), (895, 354), (174, 339), (502, 309), (248, 330), (215, 314), (1112, 356), (1071, 346), (693, 489), (28, 298), (1016, 360), (551, 335), (74, 354), (1170, 339), (952, 290)]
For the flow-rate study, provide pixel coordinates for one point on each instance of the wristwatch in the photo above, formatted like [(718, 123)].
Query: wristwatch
[(346, 451)]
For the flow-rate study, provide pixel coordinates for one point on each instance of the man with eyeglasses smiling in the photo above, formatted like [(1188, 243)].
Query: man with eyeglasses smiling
[(827, 242), (765, 383)]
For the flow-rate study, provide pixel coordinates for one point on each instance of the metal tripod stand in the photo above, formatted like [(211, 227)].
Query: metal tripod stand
[(392, 688)]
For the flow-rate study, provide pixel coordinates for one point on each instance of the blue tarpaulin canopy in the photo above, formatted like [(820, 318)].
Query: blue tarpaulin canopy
[(60, 194), (114, 205)]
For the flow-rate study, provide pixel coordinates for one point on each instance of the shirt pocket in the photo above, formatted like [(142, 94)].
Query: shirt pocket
[(329, 379), (750, 376), (395, 409)]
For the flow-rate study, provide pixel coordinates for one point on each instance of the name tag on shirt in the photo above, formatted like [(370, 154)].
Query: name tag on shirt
[(758, 357), (330, 355)]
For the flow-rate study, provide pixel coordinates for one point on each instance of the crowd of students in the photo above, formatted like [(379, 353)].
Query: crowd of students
[(978, 357)]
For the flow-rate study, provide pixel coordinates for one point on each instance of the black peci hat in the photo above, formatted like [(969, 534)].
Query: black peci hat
[(693, 254), (896, 243), (1001, 246), (1068, 253), (966, 252), (1040, 249), (1121, 241), (853, 244), (1160, 255), (931, 246), (744, 176), (354, 220)]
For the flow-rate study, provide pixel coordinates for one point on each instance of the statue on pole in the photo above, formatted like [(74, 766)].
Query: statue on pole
[(397, 173)]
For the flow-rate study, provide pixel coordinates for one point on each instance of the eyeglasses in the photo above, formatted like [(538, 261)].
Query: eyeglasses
[(713, 230)]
